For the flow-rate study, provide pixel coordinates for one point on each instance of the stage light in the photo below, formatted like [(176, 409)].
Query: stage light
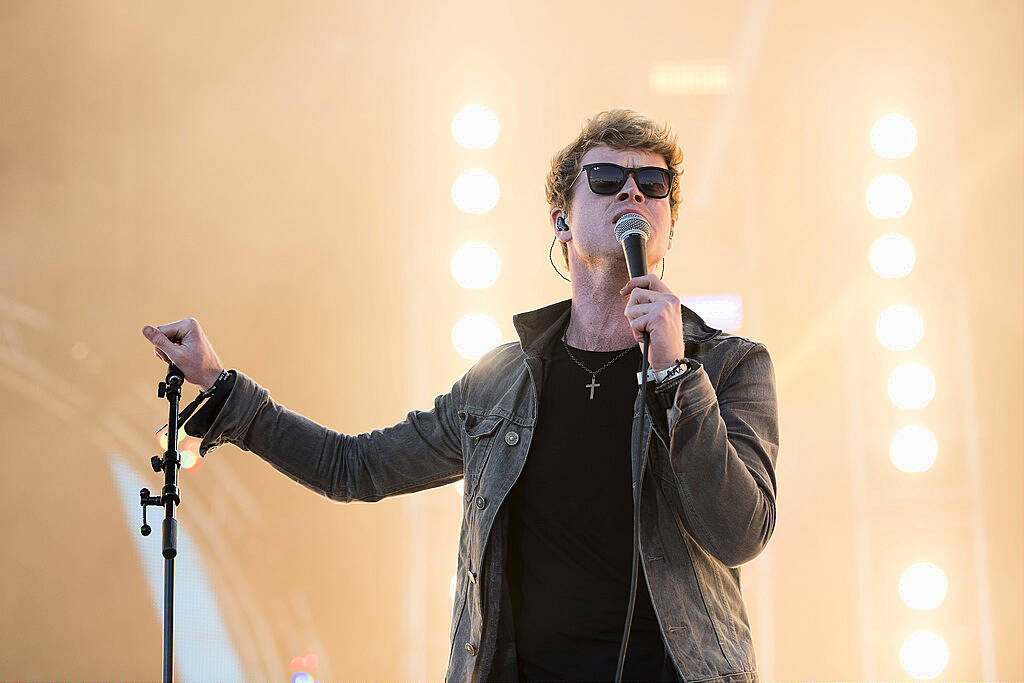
[(892, 255), (475, 334), (475, 127), (302, 677), (923, 586), (475, 265), (690, 78), (475, 191), (893, 137), (913, 449), (724, 311), (899, 327), (911, 386), (924, 654), (889, 196)]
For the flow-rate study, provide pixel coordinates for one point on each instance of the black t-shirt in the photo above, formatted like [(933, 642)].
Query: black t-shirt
[(571, 531)]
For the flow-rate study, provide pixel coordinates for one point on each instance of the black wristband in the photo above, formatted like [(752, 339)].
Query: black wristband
[(218, 396), (221, 380)]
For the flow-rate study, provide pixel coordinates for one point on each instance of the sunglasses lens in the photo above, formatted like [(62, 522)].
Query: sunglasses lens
[(606, 179), (653, 182)]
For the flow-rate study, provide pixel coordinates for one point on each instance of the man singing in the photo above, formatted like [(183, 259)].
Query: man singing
[(557, 451)]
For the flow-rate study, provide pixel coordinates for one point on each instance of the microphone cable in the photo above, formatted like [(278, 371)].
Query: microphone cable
[(636, 518)]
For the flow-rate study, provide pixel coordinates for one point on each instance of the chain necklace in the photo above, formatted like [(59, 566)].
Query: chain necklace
[(593, 373)]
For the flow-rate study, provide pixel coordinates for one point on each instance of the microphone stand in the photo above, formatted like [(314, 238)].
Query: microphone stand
[(170, 389)]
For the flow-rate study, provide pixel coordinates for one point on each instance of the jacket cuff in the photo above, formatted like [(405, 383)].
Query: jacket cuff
[(200, 422), (231, 422), (686, 394)]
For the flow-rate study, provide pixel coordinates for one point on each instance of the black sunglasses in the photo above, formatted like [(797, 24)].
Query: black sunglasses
[(655, 182)]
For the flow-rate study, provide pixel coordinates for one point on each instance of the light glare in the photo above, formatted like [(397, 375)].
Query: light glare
[(899, 327), (475, 265), (913, 449), (893, 137), (889, 196), (474, 335), (475, 127), (923, 586), (911, 386), (924, 654), (475, 191), (892, 255)]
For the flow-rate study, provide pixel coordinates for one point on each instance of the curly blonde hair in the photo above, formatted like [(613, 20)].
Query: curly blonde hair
[(619, 129)]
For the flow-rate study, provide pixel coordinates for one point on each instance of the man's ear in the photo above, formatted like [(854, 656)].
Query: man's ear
[(562, 230)]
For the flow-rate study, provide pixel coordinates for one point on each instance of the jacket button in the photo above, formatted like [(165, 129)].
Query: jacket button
[(511, 438), (481, 502), (470, 649)]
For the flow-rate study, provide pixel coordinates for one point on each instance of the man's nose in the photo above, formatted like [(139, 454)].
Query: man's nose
[(630, 190)]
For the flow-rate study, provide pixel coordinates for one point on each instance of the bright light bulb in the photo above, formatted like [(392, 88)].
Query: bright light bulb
[(475, 127), (911, 386), (893, 137), (899, 327), (475, 265), (475, 334), (889, 196), (475, 191), (924, 654), (913, 449), (892, 255), (923, 586)]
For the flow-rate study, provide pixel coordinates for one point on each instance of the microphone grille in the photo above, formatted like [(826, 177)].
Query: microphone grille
[(631, 223)]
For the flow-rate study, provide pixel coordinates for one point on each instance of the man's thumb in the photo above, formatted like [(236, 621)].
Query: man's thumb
[(158, 338)]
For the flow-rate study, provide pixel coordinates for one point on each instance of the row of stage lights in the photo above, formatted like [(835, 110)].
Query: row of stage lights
[(911, 385), (475, 265)]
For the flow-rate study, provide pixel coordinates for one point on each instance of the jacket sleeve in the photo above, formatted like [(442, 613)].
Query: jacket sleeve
[(422, 451), (722, 451)]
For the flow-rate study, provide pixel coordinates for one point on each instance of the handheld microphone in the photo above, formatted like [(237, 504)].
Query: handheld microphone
[(632, 231)]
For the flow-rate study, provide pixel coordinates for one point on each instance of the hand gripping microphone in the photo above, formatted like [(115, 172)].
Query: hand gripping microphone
[(632, 231)]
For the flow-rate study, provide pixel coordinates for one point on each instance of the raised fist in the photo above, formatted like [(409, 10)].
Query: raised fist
[(184, 344)]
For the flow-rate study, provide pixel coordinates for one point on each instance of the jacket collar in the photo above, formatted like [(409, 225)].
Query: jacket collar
[(539, 329)]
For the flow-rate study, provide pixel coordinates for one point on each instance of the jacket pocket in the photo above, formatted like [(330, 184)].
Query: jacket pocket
[(478, 433)]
